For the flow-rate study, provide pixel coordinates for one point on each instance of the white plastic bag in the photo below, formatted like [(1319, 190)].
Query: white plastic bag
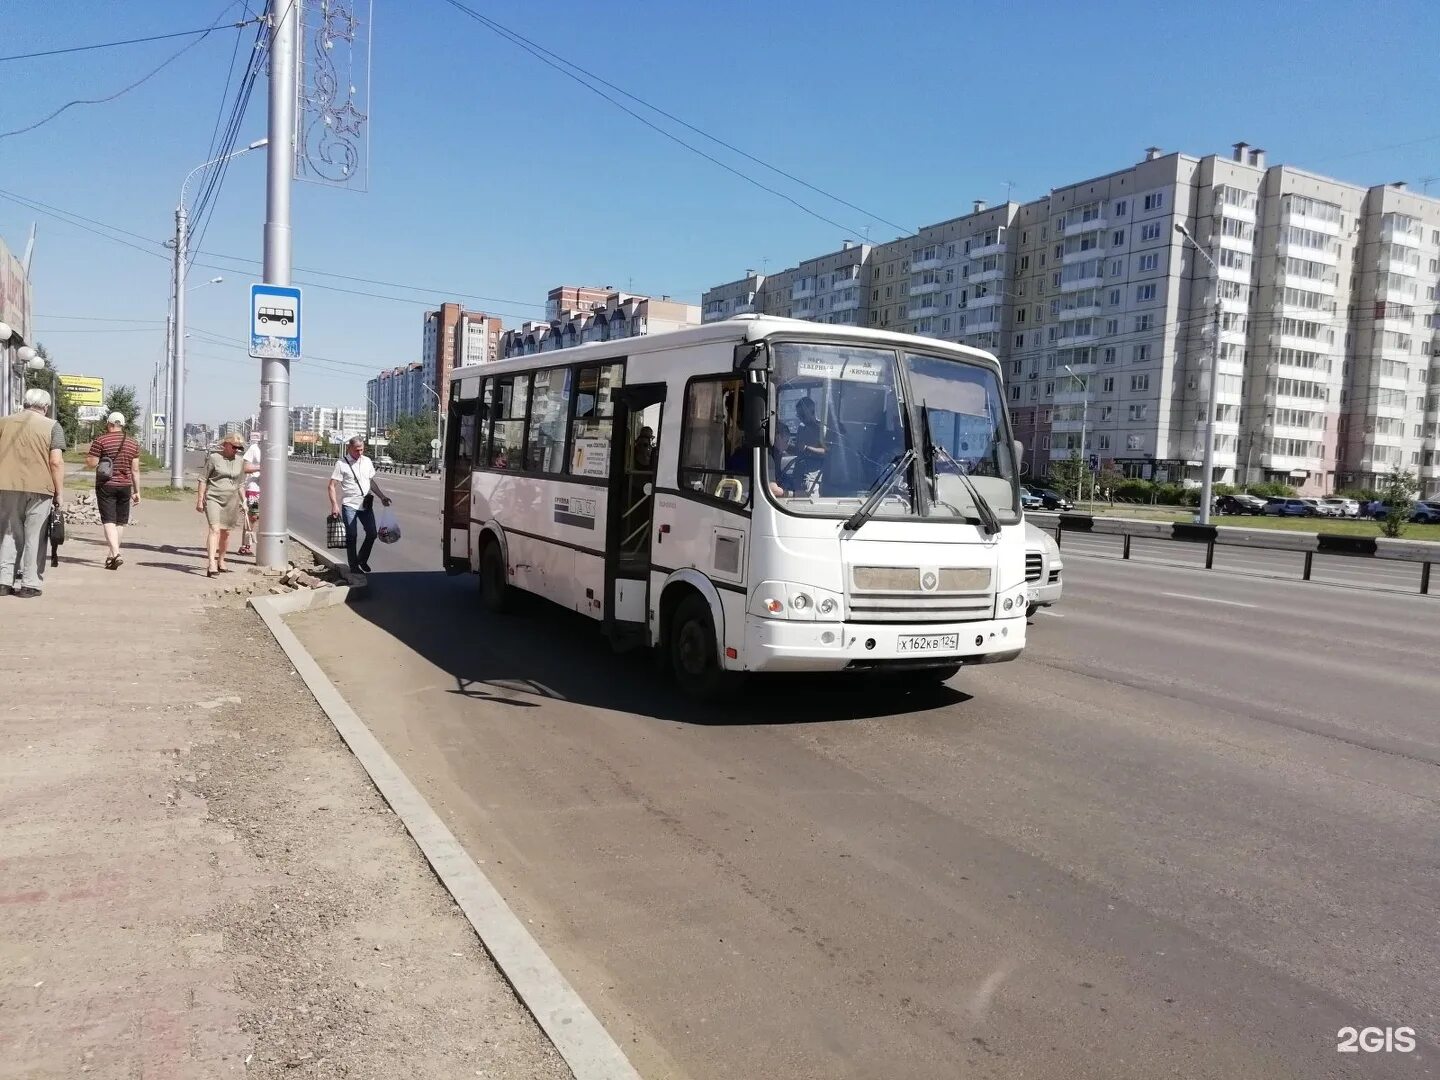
[(387, 524)]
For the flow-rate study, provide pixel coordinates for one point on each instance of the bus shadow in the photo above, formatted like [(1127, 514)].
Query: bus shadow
[(542, 651)]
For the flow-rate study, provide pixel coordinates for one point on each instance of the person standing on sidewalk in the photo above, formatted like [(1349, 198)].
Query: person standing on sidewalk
[(252, 496), (352, 493), (32, 483), (219, 499), (117, 487)]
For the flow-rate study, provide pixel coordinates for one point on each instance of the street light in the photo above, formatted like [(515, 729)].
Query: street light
[(176, 420), (5, 335), (439, 419), (1207, 478), (35, 362), (1084, 421)]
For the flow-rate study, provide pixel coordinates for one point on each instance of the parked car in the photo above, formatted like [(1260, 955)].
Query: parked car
[(1030, 501), (1426, 512), (1320, 508), (1042, 569), (1349, 508), (1280, 507), (1051, 500), (1239, 503)]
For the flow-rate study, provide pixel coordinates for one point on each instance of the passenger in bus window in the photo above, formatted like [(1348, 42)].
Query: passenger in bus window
[(777, 462), (643, 452), (809, 446)]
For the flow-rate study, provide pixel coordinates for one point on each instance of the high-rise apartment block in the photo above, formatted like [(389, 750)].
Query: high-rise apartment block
[(397, 392), (454, 337), (335, 422), (599, 316), (1103, 317)]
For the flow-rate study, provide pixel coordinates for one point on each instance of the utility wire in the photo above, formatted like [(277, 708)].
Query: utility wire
[(536, 52), (520, 39), (124, 90), (113, 44)]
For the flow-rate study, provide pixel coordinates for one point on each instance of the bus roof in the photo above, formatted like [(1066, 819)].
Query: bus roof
[(741, 328)]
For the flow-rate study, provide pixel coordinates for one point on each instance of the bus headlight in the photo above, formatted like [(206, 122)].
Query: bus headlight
[(799, 603)]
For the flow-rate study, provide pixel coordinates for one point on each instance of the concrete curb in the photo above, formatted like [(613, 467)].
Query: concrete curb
[(355, 581), (574, 1030)]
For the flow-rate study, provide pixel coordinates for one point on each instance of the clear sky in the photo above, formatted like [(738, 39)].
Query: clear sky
[(496, 176)]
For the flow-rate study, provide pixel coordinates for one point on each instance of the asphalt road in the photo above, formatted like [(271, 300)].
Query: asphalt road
[(1193, 832)]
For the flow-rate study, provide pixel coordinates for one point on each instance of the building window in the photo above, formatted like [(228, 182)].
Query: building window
[(1102, 441), (1114, 299), (1144, 292), (1024, 262), (1142, 323), (709, 431), (1139, 354), (1139, 412), (1150, 231), (1149, 262), (1139, 383), (1014, 393), (1112, 326), (1116, 267), (1019, 341), (1155, 201), (1117, 238), (1109, 354), (1107, 385), (549, 421), (1121, 205)]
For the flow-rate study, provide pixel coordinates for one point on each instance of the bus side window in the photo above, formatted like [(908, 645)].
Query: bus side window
[(594, 413), (507, 450), (712, 460)]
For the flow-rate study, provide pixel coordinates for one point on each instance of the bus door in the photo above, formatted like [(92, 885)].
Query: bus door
[(635, 448), (456, 470)]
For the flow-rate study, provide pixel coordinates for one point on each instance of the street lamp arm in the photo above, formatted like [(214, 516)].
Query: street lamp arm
[(256, 145)]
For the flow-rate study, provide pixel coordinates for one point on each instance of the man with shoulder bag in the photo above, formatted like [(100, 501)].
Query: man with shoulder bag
[(353, 492)]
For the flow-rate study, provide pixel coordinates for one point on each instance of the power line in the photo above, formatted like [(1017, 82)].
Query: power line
[(124, 90), (112, 44), (518, 38), (536, 52)]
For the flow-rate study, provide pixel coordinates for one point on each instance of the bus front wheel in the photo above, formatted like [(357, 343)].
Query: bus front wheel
[(494, 588), (693, 655)]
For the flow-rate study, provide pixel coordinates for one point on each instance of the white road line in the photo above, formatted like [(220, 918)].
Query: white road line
[(1052, 614), (1208, 599)]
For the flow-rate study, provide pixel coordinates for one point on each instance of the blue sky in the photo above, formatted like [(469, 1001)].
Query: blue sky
[(494, 175)]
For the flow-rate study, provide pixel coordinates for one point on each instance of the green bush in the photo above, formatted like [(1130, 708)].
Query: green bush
[(1133, 490)]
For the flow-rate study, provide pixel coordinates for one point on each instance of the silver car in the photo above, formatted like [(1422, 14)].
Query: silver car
[(1349, 508), (1042, 569)]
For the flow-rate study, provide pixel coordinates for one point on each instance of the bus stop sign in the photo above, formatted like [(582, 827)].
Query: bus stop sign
[(274, 322)]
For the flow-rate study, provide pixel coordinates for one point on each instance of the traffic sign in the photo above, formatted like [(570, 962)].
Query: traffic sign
[(1094, 462), (274, 322)]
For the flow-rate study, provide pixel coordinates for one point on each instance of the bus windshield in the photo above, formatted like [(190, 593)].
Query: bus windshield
[(846, 416)]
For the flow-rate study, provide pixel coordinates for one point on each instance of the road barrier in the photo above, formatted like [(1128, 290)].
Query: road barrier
[(1424, 553)]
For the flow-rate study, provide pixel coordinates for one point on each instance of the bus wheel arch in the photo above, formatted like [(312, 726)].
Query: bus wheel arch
[(684, 595), (493, 559)]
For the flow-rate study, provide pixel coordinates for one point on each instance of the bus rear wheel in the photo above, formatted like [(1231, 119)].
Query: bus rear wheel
[(694, 659), (494, 586)]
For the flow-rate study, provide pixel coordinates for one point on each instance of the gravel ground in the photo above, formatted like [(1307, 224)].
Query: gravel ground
[(353, 959)]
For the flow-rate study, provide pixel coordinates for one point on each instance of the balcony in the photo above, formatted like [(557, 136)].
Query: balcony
[(932, 263), (924, 288), (1077, 338), (1305, 221), (1080, 256), (743, 307), (986, 301), (1290, 463), (980, 277), (802, 292), (1324, 285), (845, 305), (1392, 233), (923, 309), (997, 248), (1084, 311), (1328, 255), (1076, 227), (1234, 212), (1067, 390), (982, 322), (1404, 294), (1237, 243), (802, 309), (1093, 282)]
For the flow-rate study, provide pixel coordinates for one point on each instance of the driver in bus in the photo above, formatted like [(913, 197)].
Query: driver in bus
[(809, 446)]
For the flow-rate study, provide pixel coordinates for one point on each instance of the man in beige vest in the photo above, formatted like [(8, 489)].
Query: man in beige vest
[(32, 480)]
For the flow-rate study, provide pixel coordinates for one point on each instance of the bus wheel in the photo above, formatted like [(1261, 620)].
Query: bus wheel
[(693, 657), (1031, 610), (494, 588)]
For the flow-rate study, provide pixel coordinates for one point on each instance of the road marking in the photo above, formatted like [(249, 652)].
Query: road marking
[(1208, 599), (1052, 614)]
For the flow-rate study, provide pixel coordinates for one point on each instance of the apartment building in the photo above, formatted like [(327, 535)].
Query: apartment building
[(1103, 317), (453, 337), (743, 297), (617, 315), (397, 392)]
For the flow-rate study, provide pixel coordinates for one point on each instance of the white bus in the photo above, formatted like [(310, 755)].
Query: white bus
[(754, 495)]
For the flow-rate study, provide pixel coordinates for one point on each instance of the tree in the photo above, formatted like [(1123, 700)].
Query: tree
[(121, 399), (1397, 492), (410, 438), (62, 409), (1066, 476)]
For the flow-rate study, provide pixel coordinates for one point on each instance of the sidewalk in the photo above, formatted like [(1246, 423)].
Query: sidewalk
[(196, 878)]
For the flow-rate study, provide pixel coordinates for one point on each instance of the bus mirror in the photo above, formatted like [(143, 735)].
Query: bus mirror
[(755, 412), (752, 356)]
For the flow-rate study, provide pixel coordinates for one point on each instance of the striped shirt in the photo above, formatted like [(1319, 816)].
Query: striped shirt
[(124, 450)]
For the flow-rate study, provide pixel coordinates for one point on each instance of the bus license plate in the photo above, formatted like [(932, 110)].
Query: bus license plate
[(928, 643)]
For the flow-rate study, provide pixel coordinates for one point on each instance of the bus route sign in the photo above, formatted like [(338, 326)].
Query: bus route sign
[(274, 322)]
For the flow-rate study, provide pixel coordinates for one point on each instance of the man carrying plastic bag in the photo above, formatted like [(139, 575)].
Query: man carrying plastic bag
[(387, 524)]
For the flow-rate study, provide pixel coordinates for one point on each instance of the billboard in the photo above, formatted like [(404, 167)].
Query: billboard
[(83, 389), (14, 294)]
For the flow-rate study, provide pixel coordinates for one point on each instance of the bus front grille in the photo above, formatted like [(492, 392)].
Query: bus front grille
[(920, 608), (920, 594)]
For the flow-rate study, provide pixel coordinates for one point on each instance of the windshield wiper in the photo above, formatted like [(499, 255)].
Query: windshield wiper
[(887, 481), (989, 522)]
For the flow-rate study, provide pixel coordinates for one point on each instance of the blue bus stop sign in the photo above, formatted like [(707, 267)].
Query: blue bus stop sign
[(274, 322)]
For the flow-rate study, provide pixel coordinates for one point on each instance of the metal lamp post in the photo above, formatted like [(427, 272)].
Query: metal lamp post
[(1207, 478), (1084, 422), (6, 333), (439, 421), (176, 420)]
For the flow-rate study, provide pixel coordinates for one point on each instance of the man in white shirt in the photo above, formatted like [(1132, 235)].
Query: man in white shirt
[(252, 496), (352, 490)]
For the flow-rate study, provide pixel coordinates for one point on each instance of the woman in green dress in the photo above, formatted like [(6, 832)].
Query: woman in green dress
[(220, 498)]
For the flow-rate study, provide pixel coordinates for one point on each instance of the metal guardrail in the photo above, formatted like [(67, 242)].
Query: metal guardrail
[(390, 468), (1425, 553)]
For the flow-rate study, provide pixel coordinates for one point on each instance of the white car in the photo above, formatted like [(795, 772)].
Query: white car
[(1042, 569), (1345, 507)]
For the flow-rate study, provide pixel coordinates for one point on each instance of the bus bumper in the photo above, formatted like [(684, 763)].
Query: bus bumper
[(782, 645)]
